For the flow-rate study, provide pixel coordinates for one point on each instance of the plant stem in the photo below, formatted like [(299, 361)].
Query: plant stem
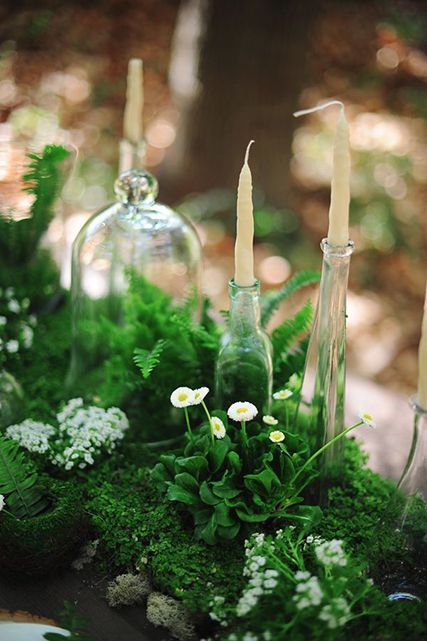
[(325, 447), (187, 420), (210, 421), (287, 416), (244, 435)]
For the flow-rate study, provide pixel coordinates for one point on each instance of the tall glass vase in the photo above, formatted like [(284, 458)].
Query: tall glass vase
[(323, 389), (410, 514), (244, 369)]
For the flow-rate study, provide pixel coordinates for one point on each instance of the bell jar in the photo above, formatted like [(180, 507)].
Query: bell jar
[(135, 234)]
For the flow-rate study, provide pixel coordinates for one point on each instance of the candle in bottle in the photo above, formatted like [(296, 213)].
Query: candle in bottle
[(338, 234), (132, 124), (244, 253)]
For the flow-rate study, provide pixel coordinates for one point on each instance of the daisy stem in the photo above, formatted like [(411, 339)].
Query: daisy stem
[(187, 420), (287, 416), (244, 435), (325, 447), (210, 421)]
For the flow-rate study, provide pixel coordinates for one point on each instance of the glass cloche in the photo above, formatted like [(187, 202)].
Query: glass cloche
[(135, 233)]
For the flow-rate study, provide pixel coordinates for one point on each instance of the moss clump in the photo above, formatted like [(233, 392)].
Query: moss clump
[(128, 589), (48, 541), (169, 613)]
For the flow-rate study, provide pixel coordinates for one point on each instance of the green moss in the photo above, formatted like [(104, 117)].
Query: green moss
[(48, 541), (138, 526)]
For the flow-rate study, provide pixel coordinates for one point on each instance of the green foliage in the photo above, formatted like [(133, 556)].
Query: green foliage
[(230, 484), (147, 360), (19, 483), (188, 351), (71, 621), (272, 299), (286, 335), (19, 239)]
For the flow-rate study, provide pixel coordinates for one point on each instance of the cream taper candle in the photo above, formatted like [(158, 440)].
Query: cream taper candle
[(244, 252), (340, 188), (132, 123), (422, 362)]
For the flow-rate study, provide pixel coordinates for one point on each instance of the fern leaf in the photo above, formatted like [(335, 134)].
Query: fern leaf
[(290, 330), (18, 483), (271, 300), (147, 360), (19, 239)]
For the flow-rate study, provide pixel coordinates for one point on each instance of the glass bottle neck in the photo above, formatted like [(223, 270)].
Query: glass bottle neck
[(244, 307), (131, 155)]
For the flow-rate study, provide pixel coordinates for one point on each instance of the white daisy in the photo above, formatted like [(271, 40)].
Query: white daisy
[(182, 397), (199, 395), (218, 427), (367, 419), (277, 436), (242, 411), (282, 395), (269, 420)]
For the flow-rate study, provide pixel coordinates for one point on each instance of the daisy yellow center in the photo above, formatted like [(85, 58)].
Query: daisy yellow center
[(242, 410), (183, 396), (368, 417)]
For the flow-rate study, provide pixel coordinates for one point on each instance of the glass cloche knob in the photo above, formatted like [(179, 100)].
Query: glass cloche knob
[(136, 187)]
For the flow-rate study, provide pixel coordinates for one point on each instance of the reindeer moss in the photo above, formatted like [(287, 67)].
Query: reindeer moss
[(48, 541)]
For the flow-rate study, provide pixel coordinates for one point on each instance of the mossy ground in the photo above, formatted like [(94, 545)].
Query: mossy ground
[(138, 526)]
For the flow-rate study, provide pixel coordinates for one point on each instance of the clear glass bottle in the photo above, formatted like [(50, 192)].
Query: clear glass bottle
[(411, 510), (323, 389), (244, 369), (134, 233)]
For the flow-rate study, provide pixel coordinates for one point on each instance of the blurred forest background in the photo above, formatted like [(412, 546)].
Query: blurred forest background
[(217, 73)]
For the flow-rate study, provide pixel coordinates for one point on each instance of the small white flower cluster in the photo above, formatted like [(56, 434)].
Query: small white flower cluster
[(308, 590), (261, 580), (16, 325), (329, 552), (32, 435), (336, 613), (87, 430), (81, 434)]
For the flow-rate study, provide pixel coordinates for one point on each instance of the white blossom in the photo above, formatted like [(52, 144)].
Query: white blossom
[(3, 321), (12, 346), (2, 502), (200, 394), (218, 427), (182, 397), (13, 306), (32, 435), (269, 420), (242, 411), (331, 552), (277, 436), (336, 613)]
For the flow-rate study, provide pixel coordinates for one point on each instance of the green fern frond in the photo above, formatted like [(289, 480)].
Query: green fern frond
[(19, 239), (289, 331), (147, 360), (271, 300), (18, 483)]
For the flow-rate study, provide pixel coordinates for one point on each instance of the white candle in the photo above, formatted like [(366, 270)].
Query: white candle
[(422, 362), (132, 123), (244, 252), (340, 188)]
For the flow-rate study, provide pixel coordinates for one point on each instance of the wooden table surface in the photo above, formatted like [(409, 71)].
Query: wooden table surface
[(387, 445)]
